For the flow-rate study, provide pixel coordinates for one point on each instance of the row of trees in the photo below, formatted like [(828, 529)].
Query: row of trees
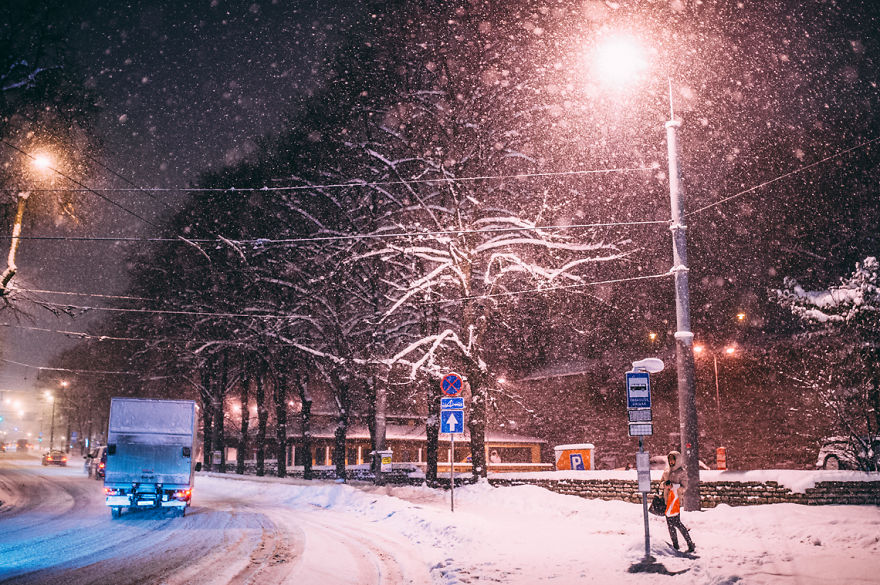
[(386, 234), (361, 251)]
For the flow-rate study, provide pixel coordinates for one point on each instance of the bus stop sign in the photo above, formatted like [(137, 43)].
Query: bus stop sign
[(638, 390)]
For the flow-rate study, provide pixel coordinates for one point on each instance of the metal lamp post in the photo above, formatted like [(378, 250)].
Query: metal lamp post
[(621, 56), (43, 164), (721, 451), (52, 425), (684, 337)]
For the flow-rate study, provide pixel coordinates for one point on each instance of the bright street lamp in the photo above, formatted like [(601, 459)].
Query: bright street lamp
[(624, 61), (43, 163), (620, 59)]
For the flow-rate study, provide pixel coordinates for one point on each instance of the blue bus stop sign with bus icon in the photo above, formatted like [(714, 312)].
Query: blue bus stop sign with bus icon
[(638, 390)]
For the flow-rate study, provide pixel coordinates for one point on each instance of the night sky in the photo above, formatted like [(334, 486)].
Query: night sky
[(187, 87), (184, 87)]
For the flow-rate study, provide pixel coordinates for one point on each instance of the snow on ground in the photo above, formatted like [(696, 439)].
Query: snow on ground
[(525, 534), (516, 535)]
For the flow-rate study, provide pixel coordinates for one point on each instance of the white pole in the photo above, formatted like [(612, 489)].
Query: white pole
[(452, 473), (684, 338)]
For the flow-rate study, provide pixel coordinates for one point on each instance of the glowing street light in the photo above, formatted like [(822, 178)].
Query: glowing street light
[(43, 163), (621, 58)]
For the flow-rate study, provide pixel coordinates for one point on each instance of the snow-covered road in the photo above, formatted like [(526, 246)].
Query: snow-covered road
[(55, 528)]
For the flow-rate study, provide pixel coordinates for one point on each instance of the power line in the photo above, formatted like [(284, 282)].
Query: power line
[(547, 289), (75, 182), (355, 237), (80, 294), (169, 312), (352, 183), (48, 369), (85, 153), (293, 316), (784, 176), (82, 335)]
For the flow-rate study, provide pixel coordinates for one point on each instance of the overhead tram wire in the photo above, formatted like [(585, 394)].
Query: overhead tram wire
[(784, 176), (351, 237), (80, 294), (103, 165), (294, 316), (83, 187), (147, 190), (82, 335), (546, 289), (170, 312), (363, 183), (71, 371), (128, 181)]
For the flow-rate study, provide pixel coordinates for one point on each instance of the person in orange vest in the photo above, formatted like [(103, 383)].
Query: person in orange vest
[(674, 482)]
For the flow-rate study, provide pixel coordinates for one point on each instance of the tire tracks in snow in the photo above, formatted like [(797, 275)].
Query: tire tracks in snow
[(360, 553)]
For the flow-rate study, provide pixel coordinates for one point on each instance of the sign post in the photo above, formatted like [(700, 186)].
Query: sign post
[(451, 422), (638, 405)]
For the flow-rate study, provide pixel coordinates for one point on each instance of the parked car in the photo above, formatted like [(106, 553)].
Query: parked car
[(55, 457), (861, 453), (96, 462)]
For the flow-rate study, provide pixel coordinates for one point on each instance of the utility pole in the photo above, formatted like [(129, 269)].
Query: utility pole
[(52, 427), (684, 337), (11, 268)]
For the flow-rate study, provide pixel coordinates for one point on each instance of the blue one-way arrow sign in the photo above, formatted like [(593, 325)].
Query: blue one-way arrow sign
[(452, 421)]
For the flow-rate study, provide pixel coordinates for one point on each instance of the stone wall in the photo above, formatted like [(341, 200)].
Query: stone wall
[(712, 493), (732, 493)]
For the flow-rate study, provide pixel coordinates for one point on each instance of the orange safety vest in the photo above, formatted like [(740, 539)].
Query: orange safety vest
[(673, 503)]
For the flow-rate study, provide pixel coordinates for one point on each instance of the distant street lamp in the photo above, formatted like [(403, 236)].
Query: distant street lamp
[(620, 58), (51, 399), (729, 351), (43, 164)]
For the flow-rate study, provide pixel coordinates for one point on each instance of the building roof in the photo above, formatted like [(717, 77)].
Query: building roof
[(416, 432)]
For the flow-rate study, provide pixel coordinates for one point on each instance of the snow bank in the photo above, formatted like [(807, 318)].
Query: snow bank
[(797, 481), (525, 534)]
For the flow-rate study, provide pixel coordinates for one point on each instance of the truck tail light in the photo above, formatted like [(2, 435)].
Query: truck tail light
[(111, 491), (182, 495)]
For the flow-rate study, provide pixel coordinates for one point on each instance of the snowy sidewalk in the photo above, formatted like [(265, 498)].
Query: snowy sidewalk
[(525, 534)]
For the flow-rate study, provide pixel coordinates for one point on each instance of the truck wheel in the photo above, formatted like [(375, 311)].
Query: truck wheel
[(116, 511), (183, 512)]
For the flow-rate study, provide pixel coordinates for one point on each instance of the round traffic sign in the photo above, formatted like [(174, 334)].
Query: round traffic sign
[(451, 384)]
